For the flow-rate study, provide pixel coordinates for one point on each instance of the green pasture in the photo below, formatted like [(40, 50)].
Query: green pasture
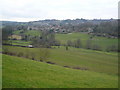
[(25, 73), (103, 42), (97, 61), (20, 42), (33, 32), (17, 32), (28, 32)]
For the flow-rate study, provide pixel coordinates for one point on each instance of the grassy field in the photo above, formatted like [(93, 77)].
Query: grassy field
[(103, 42), (72, 36), (24, 73), (28, 32), (20, 42), (93, 60), (17, 32), (33, 33), (97, 61)]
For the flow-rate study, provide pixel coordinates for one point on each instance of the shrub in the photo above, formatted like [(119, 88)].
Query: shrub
[(5, 50), (88, 44), (32, 54), (43, 53), (96, 47), (20, 54), (113, 48)]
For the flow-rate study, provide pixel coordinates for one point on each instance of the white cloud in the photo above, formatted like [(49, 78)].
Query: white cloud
[(27, 10)]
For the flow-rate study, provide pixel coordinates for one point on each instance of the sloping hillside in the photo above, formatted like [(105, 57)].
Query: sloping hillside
[(91, 60), (25, 73)]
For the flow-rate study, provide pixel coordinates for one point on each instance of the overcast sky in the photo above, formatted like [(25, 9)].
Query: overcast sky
[(31, 10)]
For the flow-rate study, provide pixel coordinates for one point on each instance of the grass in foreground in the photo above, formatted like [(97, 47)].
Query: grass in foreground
[(24, 73)]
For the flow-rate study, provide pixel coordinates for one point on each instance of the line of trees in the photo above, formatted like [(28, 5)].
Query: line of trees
[(106, 29), (76, 43), (89, 45), (6, 31), (46, 40)]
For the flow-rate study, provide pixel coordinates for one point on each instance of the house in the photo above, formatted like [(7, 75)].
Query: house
[(90, 30), (15, 37)]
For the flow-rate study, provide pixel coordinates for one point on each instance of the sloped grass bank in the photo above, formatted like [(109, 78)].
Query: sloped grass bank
[(24, 73), (91, 60)]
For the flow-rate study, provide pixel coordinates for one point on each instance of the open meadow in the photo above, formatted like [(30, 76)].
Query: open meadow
[(25, 73), (103, 42), (91, 60)]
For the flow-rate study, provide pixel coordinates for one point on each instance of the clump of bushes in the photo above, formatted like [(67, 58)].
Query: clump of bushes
[(96, 47), (5, 50), (32, 54), (20, 54), (112, 48)]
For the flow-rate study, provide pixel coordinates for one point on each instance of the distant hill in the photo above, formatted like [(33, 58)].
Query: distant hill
[(102, 27), (50, 21)]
